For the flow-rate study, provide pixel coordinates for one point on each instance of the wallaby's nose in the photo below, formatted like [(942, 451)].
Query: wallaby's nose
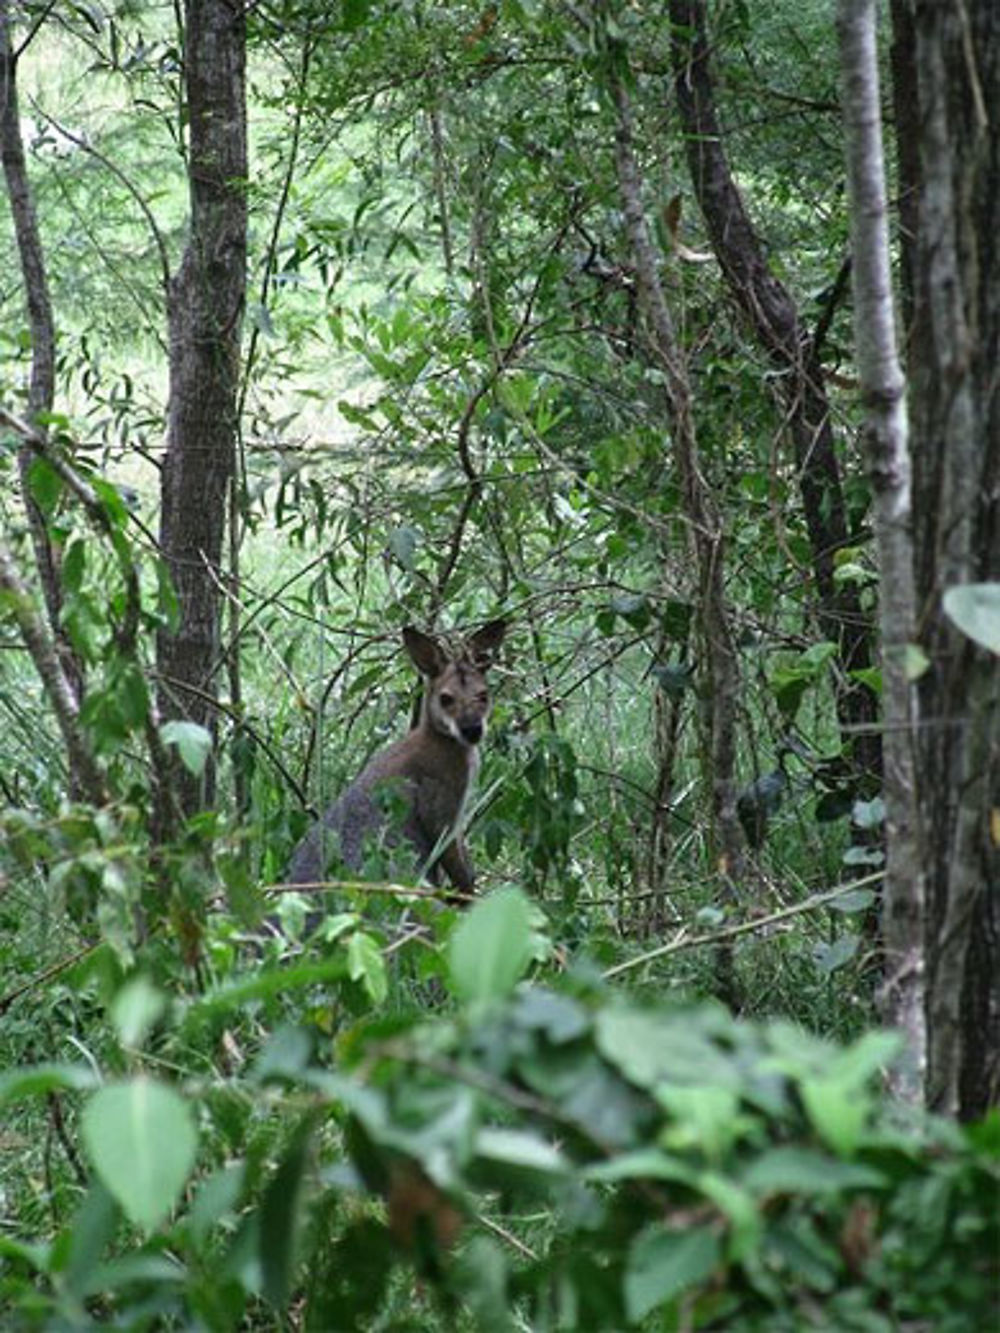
[(472, 732)]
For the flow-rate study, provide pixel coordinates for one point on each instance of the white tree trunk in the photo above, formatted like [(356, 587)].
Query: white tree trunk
[(886, 435), (888, 461)]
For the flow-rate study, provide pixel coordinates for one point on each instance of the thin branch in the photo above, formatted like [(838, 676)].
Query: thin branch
[(60, 693), (684, 941)]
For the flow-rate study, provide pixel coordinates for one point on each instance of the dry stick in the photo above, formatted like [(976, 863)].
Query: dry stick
[(33, 983), (682, 941), (386, 887)]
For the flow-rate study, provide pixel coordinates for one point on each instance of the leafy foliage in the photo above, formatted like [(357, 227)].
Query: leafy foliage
[(673, 1160), (398, 1118)]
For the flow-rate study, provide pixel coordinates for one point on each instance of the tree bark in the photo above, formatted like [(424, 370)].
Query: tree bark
[(88, 775), (886, 435), (720, 674), (771, 313), (41, 388), (953, 48), (206, 301)]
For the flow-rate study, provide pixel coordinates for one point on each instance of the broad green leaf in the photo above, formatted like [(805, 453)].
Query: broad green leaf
[(829, 956), (136, 1007), (279, 1219), (648, 1047), (133, 1270), (491, 947), (868, 814), (217, 1196), (194, 743), (661, 1264), (403, 542), (838, 1109), (858, 900), (791, 1170), (915, 661), (642, 1164), (45, 485), (483, 1274), (740, 1208), (142, 1141), (273, 981), (518, 1148), (74, 564), (93, 1228), (37, 1080), (366, 964), (975, 609), (704, 1117)]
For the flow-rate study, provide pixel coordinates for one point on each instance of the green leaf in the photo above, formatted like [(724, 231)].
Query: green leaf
[(868, 814), (790, 1170), (136, 1007), (858, 900), (92, 1230), (366, 964), (838, 1110), (491, 947), (216, 1197), (915, 661), (38, 1080), (521, 1149), (975, 609), (74, 565), (829, 956), (662, 1264), (674, 677), (279, 1216), (45, 485), (194, 743), (403, 543), (740, 1208), (142, 1141)]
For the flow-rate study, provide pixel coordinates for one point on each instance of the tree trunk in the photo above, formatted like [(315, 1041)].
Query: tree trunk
[(41, 388), (887, 441), (206, 301), (952, 48), (719, 683), (771, 313)]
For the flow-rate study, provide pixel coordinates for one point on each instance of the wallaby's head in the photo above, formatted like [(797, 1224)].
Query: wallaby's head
[(457, 698)]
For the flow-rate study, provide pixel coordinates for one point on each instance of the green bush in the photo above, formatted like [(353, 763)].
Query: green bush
[(540, 1156)]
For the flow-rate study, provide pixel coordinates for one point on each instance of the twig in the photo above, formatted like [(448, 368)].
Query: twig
[(683, 941), (63, 965)]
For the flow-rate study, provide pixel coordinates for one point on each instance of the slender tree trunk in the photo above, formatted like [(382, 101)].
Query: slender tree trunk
[(89, 777), (206, 301), (720, 676), (770, 311), (886, 435), (41, 388), (951, 49)]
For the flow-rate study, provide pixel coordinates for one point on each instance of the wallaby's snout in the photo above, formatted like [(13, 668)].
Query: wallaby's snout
[(457, 702)]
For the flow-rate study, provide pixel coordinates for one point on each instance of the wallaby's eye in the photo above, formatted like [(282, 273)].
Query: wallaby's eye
[(447, 699)]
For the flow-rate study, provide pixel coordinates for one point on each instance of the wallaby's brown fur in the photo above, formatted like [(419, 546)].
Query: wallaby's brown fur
[(433, 768)]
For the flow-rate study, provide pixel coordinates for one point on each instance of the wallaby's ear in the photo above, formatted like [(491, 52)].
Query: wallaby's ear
[(483, 645), (426, 653)]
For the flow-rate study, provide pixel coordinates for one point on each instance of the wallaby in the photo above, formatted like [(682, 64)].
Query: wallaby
[(433, 769)]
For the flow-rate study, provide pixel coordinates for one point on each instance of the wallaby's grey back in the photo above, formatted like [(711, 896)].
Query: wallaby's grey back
[(433, 768)]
